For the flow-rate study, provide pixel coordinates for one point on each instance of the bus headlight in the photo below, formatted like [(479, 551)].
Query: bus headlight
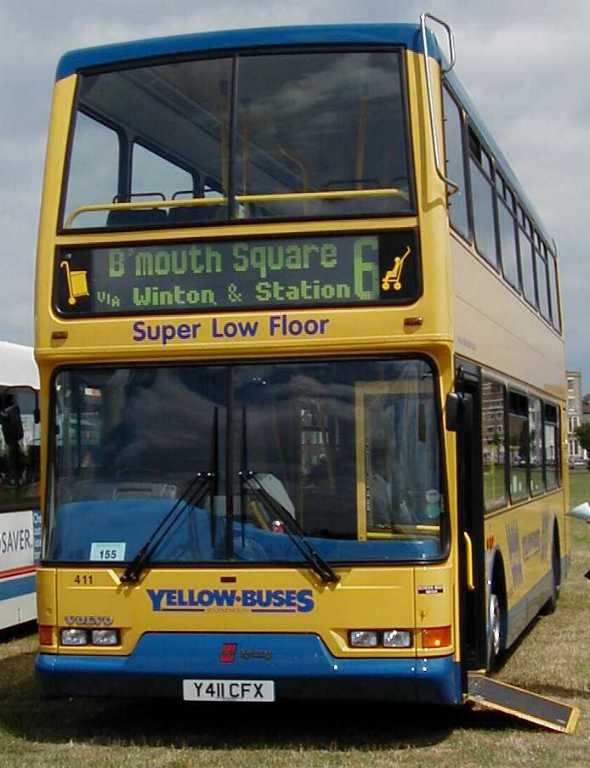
[(363, 638), (380, 638), (73, 637), (105, 637), (397, 638)]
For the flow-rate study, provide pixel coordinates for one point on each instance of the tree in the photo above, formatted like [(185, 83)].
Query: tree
[(583, 435)]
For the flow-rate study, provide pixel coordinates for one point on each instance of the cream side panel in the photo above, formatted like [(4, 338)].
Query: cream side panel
[(497, 329)]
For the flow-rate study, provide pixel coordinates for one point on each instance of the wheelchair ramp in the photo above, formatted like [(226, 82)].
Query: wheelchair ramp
[(517, 702)]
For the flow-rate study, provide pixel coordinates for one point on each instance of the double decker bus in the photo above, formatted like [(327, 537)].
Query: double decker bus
[(20, 518), (302, 373)]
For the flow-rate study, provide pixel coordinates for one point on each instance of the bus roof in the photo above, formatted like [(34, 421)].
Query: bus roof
[(408, 35), (333, 34), (17, 366)]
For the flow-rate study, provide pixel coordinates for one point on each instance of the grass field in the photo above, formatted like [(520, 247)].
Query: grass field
[(553, 658)]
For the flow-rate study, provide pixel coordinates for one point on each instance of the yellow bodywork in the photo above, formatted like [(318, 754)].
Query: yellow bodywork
[(437, 325), (363, 598)]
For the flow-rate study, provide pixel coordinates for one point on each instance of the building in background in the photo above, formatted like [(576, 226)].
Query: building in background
[(577, 456)]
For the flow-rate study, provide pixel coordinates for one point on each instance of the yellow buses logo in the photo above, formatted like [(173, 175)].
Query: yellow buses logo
[(253, 600), (393, 276)]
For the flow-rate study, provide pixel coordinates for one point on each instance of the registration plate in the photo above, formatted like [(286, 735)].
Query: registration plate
[(228, 690)]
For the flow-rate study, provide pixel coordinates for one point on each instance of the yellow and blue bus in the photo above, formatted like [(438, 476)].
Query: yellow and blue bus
[(20, 518), (302, 373)]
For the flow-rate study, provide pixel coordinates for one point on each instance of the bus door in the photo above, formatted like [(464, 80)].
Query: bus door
[(471, 520)]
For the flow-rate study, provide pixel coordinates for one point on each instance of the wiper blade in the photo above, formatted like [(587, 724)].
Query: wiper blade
[(193, 494), (292, 528)]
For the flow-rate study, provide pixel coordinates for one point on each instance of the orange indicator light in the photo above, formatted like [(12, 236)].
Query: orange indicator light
[(45, 635), (438, 637)]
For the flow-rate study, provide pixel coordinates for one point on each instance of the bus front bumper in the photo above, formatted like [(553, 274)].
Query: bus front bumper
[(300, 666)]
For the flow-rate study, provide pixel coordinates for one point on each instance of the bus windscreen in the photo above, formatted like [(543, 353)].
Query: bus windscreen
[(350, 450)]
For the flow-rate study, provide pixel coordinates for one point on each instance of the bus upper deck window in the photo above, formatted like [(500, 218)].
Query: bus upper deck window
[(329, 124), (94, 169)]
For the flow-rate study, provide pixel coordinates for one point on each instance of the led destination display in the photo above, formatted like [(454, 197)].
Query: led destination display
[(254, 274)]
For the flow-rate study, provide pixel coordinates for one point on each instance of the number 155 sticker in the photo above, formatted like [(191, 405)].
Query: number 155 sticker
[(107, 551)]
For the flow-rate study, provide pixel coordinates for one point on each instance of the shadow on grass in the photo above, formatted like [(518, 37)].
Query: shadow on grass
[(292, 725), (18, 633), (542, 689), (507, 655)]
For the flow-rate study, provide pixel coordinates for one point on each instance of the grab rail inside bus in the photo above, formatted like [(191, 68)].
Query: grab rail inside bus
[(343, 194), (453, 186)]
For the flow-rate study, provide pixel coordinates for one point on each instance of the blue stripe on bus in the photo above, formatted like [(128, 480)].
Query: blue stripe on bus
[(351, 34), (17, 587), (297, 663), (523, 611)]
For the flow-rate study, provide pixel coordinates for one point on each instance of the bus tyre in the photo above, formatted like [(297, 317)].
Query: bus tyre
[(551, 603), (495, 628)]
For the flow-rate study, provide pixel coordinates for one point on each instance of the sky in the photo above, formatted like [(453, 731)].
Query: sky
[(524, 63)]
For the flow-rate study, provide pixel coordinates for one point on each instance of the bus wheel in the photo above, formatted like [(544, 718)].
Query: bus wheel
[(551, 604), (494, 629), (496, 618)]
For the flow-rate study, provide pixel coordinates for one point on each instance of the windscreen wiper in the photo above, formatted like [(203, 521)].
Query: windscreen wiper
[(251, 480), (193, 495)]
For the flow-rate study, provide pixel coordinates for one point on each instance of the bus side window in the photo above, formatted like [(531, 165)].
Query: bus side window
[(555, 309), (518, 440), (551, 446), (493, 444), (19, 463), (482, 200), (508, 228), (536, 446), (527, 257), (542, 280), (455, 164)]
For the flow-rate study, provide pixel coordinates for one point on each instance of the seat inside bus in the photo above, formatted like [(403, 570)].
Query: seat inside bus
[(136, 218), (196, 214)]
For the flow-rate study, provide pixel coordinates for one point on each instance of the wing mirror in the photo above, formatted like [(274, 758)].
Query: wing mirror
[(459, 411)]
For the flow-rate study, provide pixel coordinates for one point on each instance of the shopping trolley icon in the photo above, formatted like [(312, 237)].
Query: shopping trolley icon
[(77, 283)]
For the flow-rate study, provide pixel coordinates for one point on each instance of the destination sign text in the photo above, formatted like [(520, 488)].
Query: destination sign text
[(256, 274)]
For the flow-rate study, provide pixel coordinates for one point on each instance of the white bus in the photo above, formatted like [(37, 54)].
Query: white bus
[(20, 518)]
